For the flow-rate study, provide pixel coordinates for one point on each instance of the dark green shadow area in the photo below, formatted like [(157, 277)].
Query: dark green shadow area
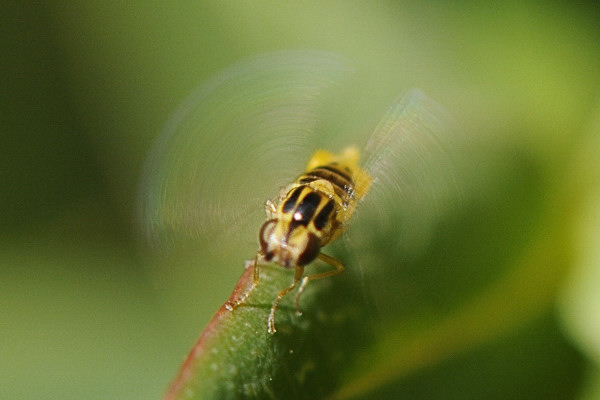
[(516, 366)]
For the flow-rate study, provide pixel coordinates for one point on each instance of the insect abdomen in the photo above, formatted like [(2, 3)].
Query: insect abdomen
[(342, 183)]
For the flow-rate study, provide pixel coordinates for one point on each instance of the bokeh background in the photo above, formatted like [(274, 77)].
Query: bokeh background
[(88, 312)]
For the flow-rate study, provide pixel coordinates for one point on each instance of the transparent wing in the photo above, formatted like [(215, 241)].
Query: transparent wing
[(414, 159), (233, 144)]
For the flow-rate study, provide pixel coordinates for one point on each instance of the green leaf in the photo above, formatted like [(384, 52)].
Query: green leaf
[(237, 358)]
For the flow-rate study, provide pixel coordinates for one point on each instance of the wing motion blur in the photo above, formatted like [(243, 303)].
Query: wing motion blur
[(249, 131), (233, 144)]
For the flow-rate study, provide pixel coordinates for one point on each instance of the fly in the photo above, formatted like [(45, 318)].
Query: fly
[(312, 212)]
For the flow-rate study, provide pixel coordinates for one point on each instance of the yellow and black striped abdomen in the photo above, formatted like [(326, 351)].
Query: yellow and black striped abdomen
[(347, 179), (340, 179)]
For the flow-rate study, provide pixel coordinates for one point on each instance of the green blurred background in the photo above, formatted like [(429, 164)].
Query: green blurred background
[(88, 313)]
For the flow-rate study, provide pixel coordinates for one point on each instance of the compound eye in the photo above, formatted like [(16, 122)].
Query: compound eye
[(311, 251), (263, 236)]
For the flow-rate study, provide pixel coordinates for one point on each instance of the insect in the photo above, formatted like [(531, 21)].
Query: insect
[(312, 212), (252, 128)]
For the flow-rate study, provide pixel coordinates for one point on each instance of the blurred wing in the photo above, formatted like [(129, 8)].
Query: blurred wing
[(413, 157), (233, 144)]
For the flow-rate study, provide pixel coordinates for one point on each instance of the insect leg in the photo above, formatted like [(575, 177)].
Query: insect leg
[(270, 209), (231, 305), (298, 272), (339, 268)]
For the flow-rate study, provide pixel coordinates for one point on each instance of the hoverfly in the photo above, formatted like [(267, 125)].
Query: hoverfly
[(312, 212), (250, 129)]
